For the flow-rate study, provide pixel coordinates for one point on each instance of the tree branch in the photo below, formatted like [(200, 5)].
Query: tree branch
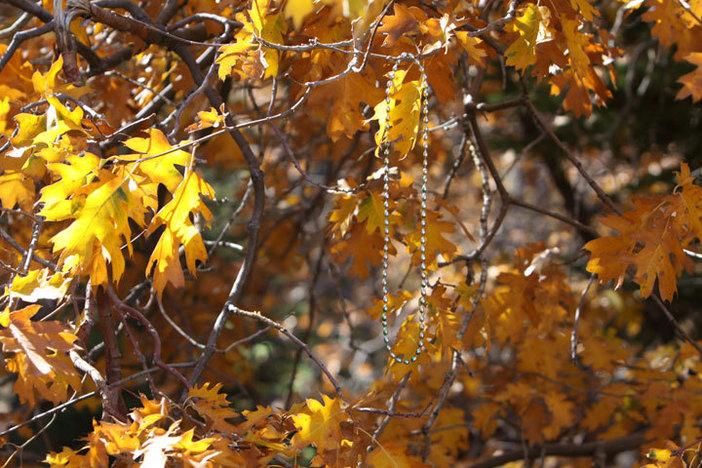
[(608, 447)]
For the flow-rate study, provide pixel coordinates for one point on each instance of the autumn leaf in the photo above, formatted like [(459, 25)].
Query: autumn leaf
[(16, 190), (298, 10), (208, 119), (342, 215), (436, 242), (39, 355), (651, 239), (157, 159), (577, 44), (319, 424), (669, 457), (37, 285), (246, 57), (99, 231), (532, 27), (692, 82), (212, 405), (177, 216), (390, 455), (363, 249), (401, 24), (404, 109), (97, 184), (472, 46), (585, 8)]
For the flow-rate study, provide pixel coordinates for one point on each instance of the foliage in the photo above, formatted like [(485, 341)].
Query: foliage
[(193, 221)]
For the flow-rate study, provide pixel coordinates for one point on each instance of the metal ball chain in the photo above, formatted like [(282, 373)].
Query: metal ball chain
[(423, 302)]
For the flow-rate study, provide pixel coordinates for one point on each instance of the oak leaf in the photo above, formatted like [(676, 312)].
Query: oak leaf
[(692, 82), (100, 228), (246, 58), (402, 24), (405, 107), (157, 159), (651, 239), (39, 355), (532, 27), (212, 406), (38, 284), (319, 424), (392, 455), (177, 216)]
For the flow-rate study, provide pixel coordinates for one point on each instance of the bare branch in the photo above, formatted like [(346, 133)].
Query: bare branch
[(608, 447), (273, 324)]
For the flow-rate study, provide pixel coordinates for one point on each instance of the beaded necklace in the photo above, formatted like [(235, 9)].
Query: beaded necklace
[(386, 146)]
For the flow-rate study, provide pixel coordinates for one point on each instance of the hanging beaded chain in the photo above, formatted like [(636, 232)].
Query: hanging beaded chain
[(423, 213)]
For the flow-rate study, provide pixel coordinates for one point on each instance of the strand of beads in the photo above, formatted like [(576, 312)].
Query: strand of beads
[(386, 147)]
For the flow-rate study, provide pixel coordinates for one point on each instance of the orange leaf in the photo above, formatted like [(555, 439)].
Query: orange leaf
[(40, 358)]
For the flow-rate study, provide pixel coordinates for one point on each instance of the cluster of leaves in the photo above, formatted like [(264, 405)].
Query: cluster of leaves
[(193, 223)]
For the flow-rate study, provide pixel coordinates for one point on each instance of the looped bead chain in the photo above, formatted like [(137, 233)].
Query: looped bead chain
[(423, 303)]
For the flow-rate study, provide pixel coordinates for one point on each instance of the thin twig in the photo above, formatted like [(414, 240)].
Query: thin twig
[(254, 226), (248, 339), (12, 29), (611, 446), (175, 326), (228, 128), (391, 409), (140, 85), (671, 318), (565, 219), (571, 157), (13, 243), (310, 326), (20, 37), (73, 401), (273, 324), (156, 357), (576, 320)]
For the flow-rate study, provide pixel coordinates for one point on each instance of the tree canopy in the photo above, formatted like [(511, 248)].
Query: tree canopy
[(202, 203)]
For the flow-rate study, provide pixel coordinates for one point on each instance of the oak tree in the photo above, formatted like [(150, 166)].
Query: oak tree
[(217, 215)]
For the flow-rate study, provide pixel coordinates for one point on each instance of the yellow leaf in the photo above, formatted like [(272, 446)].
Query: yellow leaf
[(4, 112), (392, 455), (180, 231), (99, 231), (472, 46), (38, 284), (371, 211), (342, 215), (16, 189), (585, 8), (405, 109), (66, 457), (45, 84), (246, 57), (78, 172), (298, 10), (320, 424), (577, 44), (532, 26), (160, 168), (208, 119)]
